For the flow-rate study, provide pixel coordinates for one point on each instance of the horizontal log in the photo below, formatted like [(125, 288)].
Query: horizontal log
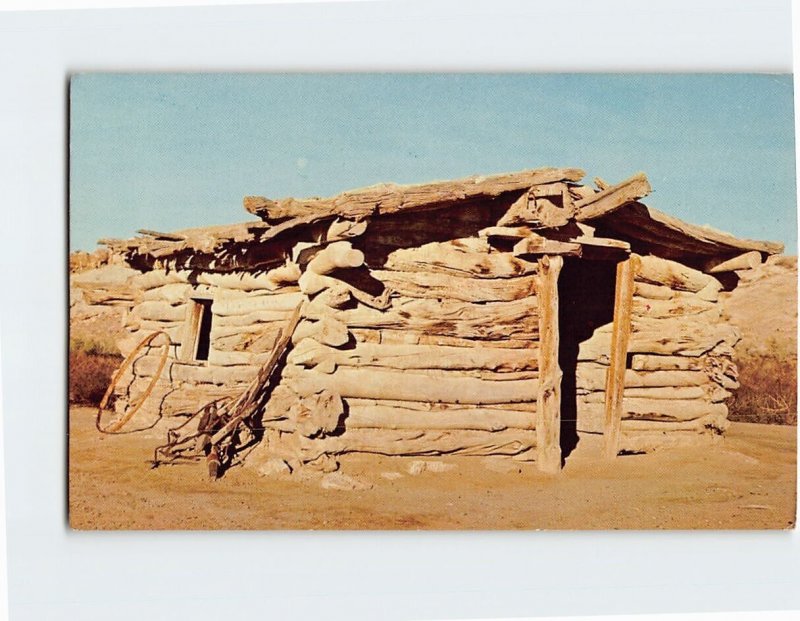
[(745, 261), (416, 337), (159, 278), (613, 197), (647, 442), (218, 331), (174, 293), (658, 271), (648, 362), (470, 258), (252, 342), (662, 337), (516, 319), (221, 376), (251, 319), (653, 392), (681, 307), (246, 281), (445, 286), (390, 417), (243, 306), (235, 358), (590, 420), (159, 311), (391, 198), (714, 421), (187, 399), (538, 245), (197, 373), (654, 410), (427, 406), (593, 377), (420, 442), (410, 386), (403, 357), (659, 409), (709, 293)]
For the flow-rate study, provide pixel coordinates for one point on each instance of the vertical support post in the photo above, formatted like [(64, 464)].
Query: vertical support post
[(548, 407), (620, 335)]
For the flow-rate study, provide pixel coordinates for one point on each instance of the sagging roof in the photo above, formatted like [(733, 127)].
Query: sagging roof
[(549, 202)]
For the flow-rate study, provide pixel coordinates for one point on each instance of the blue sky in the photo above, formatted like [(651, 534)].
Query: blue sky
[(171, 151)]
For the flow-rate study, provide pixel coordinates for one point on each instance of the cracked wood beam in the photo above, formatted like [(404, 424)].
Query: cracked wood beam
[(612, 198)]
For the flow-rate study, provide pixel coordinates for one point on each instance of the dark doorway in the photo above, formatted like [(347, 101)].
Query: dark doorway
[(204, 332), (585, 302)]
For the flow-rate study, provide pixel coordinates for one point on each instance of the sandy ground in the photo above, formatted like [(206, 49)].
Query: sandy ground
[(746, 482)]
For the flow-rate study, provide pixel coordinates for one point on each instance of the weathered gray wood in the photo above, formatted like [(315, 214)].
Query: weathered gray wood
[(159, 311), (491, 320), (536, 210), (391, 198), (435, 285), (405, 386), (245, 305), (646, 362), (620, 336), (745, 261), (471, 258), (328, 331), (658, 271), (612, 198), (539, 245), (699, 309), (393, 417), (548, 412), (309, 353), (422, 442)]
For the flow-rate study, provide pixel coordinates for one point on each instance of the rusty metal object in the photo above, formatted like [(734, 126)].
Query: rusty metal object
[(131, 411)]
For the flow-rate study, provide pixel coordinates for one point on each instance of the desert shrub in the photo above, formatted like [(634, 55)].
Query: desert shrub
[(90, 371), (93, 345), (768, 390)]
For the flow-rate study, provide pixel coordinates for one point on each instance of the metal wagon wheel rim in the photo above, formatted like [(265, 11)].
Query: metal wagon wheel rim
[(129, 360)]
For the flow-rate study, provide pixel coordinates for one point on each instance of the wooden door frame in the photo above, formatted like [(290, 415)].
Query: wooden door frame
[(618, 356), (548, 406)]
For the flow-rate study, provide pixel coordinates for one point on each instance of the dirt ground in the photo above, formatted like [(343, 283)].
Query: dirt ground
[(746, 482)]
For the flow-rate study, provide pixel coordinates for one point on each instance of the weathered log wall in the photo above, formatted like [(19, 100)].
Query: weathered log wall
[(440, 357), (428, 349), (680, 367), (248, 311)]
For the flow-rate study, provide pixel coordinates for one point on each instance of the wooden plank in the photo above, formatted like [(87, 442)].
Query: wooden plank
[(405, 386), (548, 413), (471, 257), (420, 442), (538, 245), (621, 331), (612, 198), (310, 354), (392, 198)]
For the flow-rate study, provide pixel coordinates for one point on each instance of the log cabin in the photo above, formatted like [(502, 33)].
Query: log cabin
[(510, 314)]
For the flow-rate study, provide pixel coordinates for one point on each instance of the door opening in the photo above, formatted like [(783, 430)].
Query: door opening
[(586, 302)]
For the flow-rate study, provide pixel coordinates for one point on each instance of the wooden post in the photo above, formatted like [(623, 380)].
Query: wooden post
[(548, 408), (620, 334)]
